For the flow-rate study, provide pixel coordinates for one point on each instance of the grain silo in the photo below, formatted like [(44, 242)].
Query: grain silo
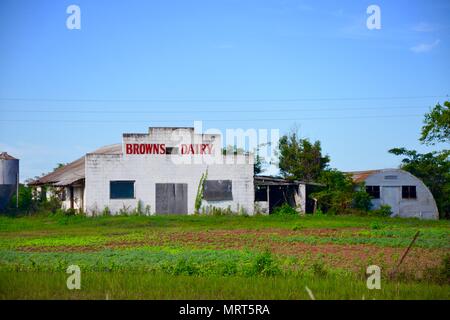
[(9, 178)]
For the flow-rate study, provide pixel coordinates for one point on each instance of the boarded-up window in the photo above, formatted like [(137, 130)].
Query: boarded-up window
[(217, 190), (261, 193), (121, 189), (373, 191), (409, 192)]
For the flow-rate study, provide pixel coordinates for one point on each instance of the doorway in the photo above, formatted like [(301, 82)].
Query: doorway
[(171, 198), (391, 197)]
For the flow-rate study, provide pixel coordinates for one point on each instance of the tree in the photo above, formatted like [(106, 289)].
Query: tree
[(437, 125), (341, 193), (299, 159), (434, 170)]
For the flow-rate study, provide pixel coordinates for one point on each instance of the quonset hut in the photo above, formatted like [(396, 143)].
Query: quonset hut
[(161, 172), (406, 194)]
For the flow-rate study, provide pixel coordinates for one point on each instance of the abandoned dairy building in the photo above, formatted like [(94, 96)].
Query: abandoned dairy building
[(180, 171), (162, 171), (406, 194)]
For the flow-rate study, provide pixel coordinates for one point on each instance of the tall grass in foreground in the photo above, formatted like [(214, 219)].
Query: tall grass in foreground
[(115, 285)]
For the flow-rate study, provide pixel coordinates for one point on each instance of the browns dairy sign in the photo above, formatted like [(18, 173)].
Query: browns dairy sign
[(160, 148)]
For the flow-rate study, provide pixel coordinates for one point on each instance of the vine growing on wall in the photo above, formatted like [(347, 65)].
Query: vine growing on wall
[(199, 196)]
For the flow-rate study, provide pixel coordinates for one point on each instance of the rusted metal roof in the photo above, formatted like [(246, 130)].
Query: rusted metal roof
[(361, 176), (6, 156), (74, 171)]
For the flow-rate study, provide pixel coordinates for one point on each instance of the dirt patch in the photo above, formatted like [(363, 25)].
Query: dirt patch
[(355, 257)]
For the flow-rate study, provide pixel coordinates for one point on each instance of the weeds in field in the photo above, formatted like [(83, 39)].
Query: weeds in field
[(285, 210)]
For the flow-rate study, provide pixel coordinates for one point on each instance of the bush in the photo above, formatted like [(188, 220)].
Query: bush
[(376, 225), (25, 199), (285, 210), (441, 273), (264, 265), (51, 205), (362, 200), (106, 212), (70, 212), (384, 211), (217, 211), (319, 269)]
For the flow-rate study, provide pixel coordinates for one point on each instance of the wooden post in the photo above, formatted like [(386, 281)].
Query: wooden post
[(405, 253)]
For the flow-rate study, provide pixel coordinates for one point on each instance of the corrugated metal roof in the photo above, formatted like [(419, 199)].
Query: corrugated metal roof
[(75, 170), (6, 156), (270, 180), (361, 176)]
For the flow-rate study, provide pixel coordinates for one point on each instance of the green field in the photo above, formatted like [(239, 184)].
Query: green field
[(222, 257)]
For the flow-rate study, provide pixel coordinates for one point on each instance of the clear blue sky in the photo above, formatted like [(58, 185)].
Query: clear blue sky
[(282, 62)]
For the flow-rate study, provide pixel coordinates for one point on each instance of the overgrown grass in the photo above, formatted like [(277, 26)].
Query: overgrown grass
[(115, 285), (176, 257)]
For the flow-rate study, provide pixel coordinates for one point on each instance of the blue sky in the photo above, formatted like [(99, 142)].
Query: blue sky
[(231, 63)]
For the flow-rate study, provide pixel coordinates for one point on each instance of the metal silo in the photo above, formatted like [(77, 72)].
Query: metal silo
[(9, 178)]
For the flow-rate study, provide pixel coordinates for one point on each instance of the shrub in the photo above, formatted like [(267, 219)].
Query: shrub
[(125, 210), (384, 211), (185, 267), (106, 211), (376, 225), (139, 211), (285, 210), (50, 205), (264, 265), (319, 269), (441, 273), (216, 211), (26, 202), (70, 212), (362, 200), (200, 188)]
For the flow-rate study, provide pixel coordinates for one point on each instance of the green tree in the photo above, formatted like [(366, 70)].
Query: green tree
[(437, 125), (341, 193), (299, 159), (433, 169)]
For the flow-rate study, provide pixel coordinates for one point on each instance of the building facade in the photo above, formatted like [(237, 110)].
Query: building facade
[(164, 171), (406, 194)]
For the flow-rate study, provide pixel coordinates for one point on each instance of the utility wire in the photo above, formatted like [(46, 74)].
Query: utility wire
[(216, 120), (220, 100), (272, 110)]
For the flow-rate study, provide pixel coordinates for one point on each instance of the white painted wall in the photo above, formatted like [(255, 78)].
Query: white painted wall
[(77, 198), (423, 206), (147, 170)]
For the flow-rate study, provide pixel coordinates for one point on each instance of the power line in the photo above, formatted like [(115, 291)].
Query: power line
[(272, 110), (215, 120), (221, 100)]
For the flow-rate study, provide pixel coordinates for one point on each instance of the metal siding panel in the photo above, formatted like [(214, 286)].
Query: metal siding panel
[(171, 198)]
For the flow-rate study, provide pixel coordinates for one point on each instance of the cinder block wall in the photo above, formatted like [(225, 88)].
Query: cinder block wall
[(149, 169)]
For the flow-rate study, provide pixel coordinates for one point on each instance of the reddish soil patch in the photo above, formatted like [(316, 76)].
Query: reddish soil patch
[(351, 257)]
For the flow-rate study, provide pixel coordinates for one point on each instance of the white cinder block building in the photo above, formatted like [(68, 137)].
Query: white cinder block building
[(159, 171), (406, 194)]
